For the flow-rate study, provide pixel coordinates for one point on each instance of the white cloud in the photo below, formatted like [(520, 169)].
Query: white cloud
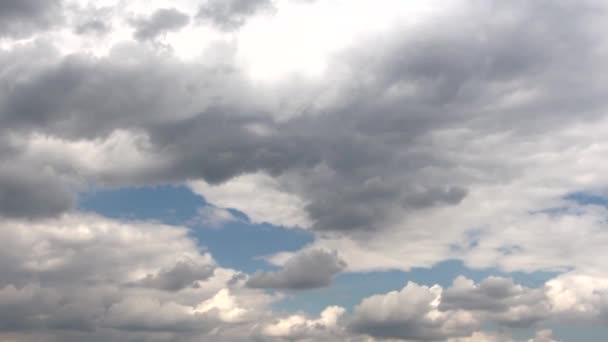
[(259, 197), (299, 327)]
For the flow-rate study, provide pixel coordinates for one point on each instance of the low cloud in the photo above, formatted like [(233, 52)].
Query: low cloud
[(229, 15), (161, 21), (305, 270)]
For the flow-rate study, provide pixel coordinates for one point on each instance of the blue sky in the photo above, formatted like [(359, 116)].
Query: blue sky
[(178, 205)]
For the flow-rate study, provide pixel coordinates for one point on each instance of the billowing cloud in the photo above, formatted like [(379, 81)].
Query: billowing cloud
[(400, 135), (411, 314), (301, 328), (84, 273), (19, 18), (231, 14), (543, 336), (500, 299), (161, 21), (305, 270), (179, 276)]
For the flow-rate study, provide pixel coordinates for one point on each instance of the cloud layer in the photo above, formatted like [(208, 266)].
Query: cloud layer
[(399, 135)]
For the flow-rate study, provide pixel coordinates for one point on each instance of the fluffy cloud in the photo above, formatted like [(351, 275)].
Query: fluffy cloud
[(422, 313), (301, 328), (305, 270), (273, 204), (453, 130), (231, 14), (179, 276), (499, 299), (411, 314), (543, 336), (85, 276), (85, 273), (22, 17), (161, 21)]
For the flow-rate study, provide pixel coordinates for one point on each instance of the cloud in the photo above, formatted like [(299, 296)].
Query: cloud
[(500, 299), (180, 276), (229, 15), (161, 21), (20, 18), (410, 314), (422, 313), (543, 336), (363, 153), (214, 217), (305, 270), (84, 273), (86, 276), (272, 205), (33, 193), (455, 133), (299, 327)]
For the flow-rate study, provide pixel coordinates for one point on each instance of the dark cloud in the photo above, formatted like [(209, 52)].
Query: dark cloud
[(409, 314), (231, 14), (183, 274), (75, 279), (361, 161), (159, 22), (33, 193), (94, 26), (20, 18), (500, 299), (305, 270)]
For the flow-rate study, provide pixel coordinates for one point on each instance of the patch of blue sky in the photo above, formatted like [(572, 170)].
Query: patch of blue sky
[(579, 198), (574, 333), (237, 244), (588, 198), (350, 288)]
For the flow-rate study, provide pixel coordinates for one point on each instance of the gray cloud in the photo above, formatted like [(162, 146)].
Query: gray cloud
[(305, 270), (500, 300), (94, 26), (33, 193), (410, 314), (20, 18), (544, 336), (361, 162), (421, 313), (183, 274), (231, 14), (159, 22), (398, 130), (76, 280)]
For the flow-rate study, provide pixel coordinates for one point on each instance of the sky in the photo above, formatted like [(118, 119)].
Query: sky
[(303, 170)]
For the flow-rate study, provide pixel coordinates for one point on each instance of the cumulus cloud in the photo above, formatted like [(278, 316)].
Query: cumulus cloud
[(543, 336), (272, 205), (304, 270), (85, 276), (177, 277), (19, 18), (422, 313), (500, 299), (161, 21), (449, 132), (302, 328), (231, 14), (410, 314), (29, 193)]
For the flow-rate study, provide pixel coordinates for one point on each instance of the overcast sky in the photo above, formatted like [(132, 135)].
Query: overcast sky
[(303, 170)]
